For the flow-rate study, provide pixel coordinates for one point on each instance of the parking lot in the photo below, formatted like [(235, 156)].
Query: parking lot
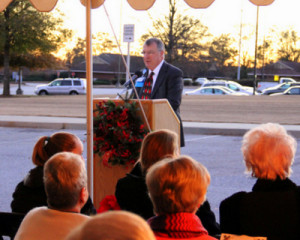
[(216, 109)]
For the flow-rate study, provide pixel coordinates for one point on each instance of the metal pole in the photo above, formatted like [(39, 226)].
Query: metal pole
[(255, 60), (19, 90), (128, 61), (89, 98), (240, 47)]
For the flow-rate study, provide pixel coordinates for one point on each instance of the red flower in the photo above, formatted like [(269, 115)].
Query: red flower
[(118, 131), (108, 203)]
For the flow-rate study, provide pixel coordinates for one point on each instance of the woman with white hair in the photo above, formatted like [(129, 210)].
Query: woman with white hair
[(272, 209)]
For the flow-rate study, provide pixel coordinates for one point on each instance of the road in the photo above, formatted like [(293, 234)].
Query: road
[(28, 89), (220, 154)]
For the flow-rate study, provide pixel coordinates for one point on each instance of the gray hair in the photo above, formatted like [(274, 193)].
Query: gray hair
[(160, 45), (269, 151), (64, 178)]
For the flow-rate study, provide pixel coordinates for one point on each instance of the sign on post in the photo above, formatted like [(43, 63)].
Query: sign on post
[(128, 33), (128, 36)]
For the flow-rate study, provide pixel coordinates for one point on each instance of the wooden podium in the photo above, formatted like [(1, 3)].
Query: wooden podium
[(160, 115)]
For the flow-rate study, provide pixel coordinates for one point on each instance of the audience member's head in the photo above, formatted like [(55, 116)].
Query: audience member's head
[(177, 185), (46, 147), (113, 225), (156, 146), (269, 151), (65, 181)]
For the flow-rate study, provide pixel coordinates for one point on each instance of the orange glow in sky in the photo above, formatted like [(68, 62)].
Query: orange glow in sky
[(223, 16)]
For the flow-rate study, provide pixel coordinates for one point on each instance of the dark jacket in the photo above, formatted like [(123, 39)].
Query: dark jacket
[(30, 193), (132, 195), (169, 85), (271, 210)]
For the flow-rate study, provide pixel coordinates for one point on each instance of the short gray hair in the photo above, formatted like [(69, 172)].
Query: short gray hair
[(64, 178), (160, 45), (269, 151)]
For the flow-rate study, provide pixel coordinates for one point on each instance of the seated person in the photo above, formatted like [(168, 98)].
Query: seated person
[(113, 225), (177, 187), (30, 192), (65, 183), (131, 191), (272, 208)]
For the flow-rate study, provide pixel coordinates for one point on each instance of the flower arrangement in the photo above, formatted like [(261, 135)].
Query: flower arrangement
[(118, 132)]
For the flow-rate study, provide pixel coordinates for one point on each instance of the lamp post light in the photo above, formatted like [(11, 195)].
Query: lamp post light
[(19, 90), (255, 57)]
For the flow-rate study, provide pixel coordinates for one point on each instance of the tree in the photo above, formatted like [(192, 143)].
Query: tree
[(101, 43), (181, 35), (28, 34), (77, 54), (221, 51), (288, 46)]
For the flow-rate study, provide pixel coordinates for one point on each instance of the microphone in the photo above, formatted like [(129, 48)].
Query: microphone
[(136, 75)]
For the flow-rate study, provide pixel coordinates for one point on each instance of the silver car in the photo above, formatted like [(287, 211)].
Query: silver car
[(229, 84), (72, 86), (215, 90)]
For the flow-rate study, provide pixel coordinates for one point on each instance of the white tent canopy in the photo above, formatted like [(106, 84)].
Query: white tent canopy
[(48, 5)]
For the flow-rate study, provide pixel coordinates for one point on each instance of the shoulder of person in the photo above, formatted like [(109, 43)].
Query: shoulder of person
[(34, 179), (172, 67), (233, 199)]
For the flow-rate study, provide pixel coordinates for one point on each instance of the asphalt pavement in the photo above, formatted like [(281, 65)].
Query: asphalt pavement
[(220, 154), (213, 128)]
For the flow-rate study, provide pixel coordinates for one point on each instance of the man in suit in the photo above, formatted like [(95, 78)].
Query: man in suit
[(167, 81)]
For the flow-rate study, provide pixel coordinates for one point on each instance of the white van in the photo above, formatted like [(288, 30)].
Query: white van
[(72, 86)]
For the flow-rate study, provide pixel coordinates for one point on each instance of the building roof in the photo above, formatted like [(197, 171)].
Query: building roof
[(281, 68), (110, 63)]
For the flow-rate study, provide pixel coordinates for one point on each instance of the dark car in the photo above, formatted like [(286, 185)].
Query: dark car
[(295, 90), (279, 88)]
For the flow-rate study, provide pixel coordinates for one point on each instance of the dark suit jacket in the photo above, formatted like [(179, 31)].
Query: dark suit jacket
[(169, 85), (271, 210)]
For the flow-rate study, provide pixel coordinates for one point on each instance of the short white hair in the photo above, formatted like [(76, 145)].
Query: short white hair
[(269, 151)]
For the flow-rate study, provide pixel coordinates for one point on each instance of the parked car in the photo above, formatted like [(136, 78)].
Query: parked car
[(279, 88), (72, 86), (214, 90), (200, 81), (187, 81), (262, 85), (229, 84), (290, 91), (286, 80)]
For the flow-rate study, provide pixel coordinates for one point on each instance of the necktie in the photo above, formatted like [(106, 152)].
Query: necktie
[(148, 87)]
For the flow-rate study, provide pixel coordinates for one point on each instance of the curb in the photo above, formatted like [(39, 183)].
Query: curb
[(226, 129)]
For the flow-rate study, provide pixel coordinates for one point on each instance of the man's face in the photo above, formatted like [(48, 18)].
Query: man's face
[(152, 57)]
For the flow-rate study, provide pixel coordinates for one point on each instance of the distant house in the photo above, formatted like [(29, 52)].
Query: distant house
[(108, 66), (280, 68)]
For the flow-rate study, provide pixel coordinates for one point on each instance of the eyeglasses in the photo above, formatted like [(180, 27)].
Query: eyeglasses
[(149, 52)]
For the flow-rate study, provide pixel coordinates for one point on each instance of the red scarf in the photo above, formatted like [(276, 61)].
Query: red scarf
[(177, 225)]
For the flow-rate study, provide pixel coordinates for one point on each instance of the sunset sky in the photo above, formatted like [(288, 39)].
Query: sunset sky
[(223, 16)]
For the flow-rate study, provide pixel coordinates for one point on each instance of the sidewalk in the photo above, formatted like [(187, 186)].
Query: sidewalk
[(232, 129)]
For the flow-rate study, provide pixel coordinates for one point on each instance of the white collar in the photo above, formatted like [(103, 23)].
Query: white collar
[(157, 69)]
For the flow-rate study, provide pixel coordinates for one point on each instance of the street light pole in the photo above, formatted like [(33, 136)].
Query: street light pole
[(19, 90), (240, 46), (255, 59)]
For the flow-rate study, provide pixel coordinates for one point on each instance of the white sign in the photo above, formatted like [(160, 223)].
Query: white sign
[(128, 33)]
